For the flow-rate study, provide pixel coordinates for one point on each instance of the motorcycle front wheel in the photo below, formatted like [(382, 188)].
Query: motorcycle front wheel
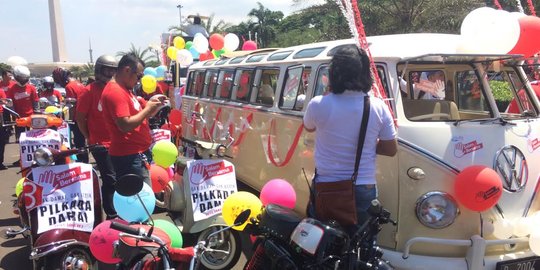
[(227, 241), (77, 258)]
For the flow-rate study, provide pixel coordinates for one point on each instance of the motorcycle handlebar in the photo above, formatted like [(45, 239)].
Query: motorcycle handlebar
[(126, 228)]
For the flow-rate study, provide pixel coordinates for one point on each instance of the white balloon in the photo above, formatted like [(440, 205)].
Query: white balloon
[(503, 228), (184, 57), (522, 227), (231, 42), (16, 61), (200, 42), (534, 241), (475, 17)]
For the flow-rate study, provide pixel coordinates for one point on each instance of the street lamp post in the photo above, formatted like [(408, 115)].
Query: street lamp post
[(180, 14)]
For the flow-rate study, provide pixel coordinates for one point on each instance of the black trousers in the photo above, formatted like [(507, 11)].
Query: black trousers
[(108, 178), (4, 139), (78, 141)]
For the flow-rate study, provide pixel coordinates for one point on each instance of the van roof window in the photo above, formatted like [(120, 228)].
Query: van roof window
[(279, 56), (209, 63), (255, 58), (221, 62), (308, 53), (237, 60)]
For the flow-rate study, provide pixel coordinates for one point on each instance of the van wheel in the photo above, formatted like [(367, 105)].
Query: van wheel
[(77, 258), (227, 241)]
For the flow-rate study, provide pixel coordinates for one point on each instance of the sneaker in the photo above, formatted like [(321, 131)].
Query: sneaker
[(3, 167)]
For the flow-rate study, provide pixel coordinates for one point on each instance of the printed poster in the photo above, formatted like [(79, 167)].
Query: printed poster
[(160, 134), (32, 140), (62, 196), (211, 182)]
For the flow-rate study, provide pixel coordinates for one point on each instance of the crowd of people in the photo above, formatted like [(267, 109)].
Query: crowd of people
[(108, 115)]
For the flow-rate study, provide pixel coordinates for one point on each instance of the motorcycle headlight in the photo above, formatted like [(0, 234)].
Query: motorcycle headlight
[(43, 157), (436, 210)]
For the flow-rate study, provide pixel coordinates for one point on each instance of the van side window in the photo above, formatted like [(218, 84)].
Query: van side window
[(469, 92), (196, 83), (294, 91), (322, 85), (225, 84), (211, 82), (267, 87), (243, 84)]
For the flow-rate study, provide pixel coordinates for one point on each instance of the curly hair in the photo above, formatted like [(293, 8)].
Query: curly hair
[(350, 70)]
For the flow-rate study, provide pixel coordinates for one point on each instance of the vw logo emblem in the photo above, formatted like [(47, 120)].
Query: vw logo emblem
[(511, 165)]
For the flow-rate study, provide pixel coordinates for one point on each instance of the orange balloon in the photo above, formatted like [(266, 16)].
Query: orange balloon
[(478, 188), (159, 177), (216, 42)]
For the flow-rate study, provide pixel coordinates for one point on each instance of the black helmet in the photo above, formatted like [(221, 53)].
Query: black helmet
[(103, 62)]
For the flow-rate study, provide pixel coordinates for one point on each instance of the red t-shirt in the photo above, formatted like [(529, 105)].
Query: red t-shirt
[(2, 95), (120, 102), (4, 85), (514, 108), (23, 98), (54, 92), (75, 89), (90, 104)]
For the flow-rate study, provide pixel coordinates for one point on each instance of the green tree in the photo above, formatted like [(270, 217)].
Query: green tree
[(265, 24), (145, 55), (4, 66)]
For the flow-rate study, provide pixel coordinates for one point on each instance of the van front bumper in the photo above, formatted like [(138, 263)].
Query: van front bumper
[(475, 259)]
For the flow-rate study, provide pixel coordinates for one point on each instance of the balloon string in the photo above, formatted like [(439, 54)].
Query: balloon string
[(531, 7), (497, 4), (291, 150)]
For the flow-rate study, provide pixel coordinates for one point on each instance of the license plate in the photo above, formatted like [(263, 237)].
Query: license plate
[(190, 151), (529, 263)]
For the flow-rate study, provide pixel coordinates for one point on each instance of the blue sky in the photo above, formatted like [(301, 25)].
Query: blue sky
[(112, 25)]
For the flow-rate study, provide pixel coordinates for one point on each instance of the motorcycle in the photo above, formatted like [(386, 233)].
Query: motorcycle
[(145, 247), (285, 241), (60, 203)]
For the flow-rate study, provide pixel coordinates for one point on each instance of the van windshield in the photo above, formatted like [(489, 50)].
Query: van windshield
[(455, 92)]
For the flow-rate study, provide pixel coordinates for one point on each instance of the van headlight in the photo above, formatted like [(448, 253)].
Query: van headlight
[(436, 210), (43, 156)]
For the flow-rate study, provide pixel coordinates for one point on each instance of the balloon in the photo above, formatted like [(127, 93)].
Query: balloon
[(534, 242), (200, 43), (14, 61), (218, 53), (478, 187), (159, 176), (184, 57), (129, 208), (194, 53), (179, 42), (249, 45), (101, 241), (486, 30), (149, 84), (170, 171), (503, 228), (150, 71), (19, 187), (171, 53), (189, 44), (528, 43), (238, 202), (171, 230), (164, 153), (217, 41), (231, 42), (278, 191), (160, 71)]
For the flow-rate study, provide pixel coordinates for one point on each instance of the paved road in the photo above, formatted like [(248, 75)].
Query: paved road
[(14, 252)]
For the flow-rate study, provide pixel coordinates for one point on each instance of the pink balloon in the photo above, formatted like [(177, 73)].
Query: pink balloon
[(280, 192), (249, 45), (101, 241), (171, 172)]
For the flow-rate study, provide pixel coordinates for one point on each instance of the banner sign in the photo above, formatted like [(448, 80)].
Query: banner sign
[(160, 134), (210, 182), (62, 196), (32, 140), (66, 133)]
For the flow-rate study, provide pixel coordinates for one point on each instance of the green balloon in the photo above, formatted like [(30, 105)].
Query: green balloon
[(19, 187), (172, 231), (188, 45), (164, 153)]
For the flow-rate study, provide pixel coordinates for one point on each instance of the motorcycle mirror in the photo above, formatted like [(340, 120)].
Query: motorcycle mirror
[(129, 185), (243, 217)]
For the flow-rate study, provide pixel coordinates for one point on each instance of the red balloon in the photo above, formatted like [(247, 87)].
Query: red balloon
[(175, 117), (478, 187), (216, 42), (159, 177), (249, 45), (528, 43), (101, 241)]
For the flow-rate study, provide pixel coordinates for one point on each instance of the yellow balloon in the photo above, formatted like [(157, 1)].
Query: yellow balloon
[(164, 153), (171, 52), (179, 43), (149, 84), (236, 203), (51, 109), (19, 187)]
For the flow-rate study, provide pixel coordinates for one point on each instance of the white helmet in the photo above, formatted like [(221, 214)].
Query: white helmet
[(21, 74), (48, 79)]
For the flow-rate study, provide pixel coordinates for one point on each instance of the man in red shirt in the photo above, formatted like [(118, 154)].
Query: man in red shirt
[(90, 120), (74, 89), (52, 95), (4, 133), (126, 119), (23, 94)]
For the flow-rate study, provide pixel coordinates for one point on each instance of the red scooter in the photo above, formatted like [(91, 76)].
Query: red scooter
[(60, 203)]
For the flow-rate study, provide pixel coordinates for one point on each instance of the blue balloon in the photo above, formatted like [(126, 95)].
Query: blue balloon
[(130, 208), (150, 71), (194, 53), (160, 71)]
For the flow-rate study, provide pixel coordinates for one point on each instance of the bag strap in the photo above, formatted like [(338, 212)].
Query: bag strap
[(361, 137)]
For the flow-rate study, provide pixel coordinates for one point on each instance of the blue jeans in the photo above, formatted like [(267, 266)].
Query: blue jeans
[(133, 164)]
